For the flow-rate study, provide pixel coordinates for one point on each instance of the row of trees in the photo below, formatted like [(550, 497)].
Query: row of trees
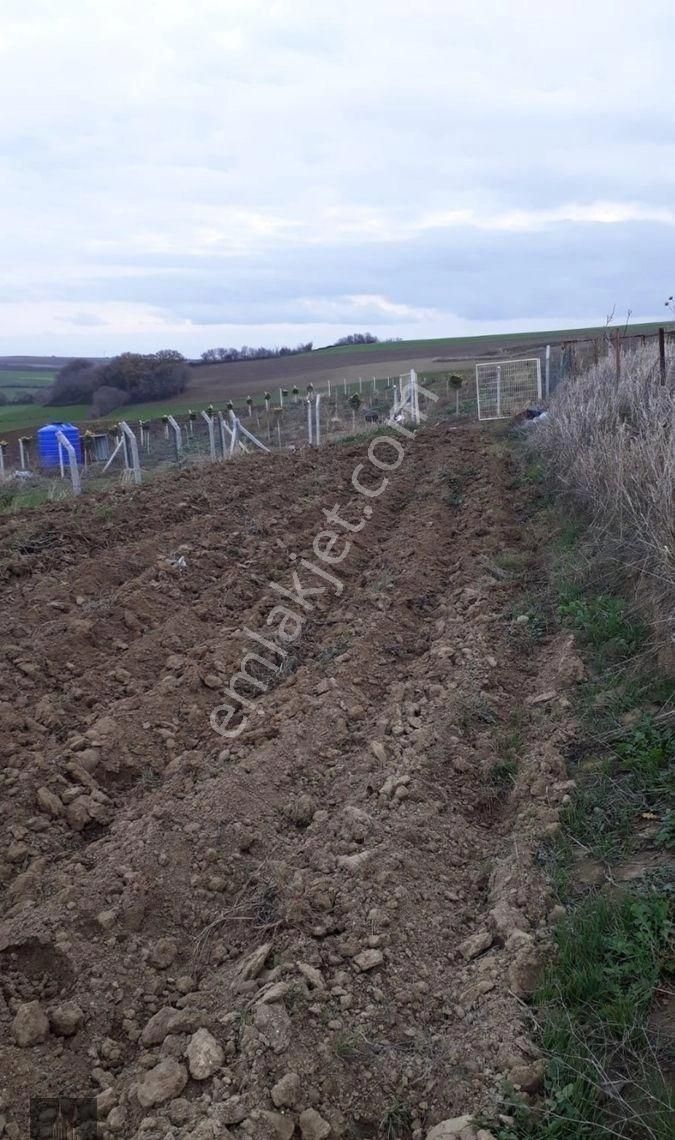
[(358, 338), (131, 378), (19, 398), (220, 355), (364, 338)]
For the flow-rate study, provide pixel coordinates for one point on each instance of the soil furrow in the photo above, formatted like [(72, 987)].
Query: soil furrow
[(341, 891)]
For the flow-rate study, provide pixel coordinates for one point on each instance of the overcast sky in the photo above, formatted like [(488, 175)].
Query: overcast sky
[(193, 173)]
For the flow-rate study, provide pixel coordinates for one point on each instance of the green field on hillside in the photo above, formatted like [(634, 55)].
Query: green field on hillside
[(469, 344), (25, 378), (25, 417), (461, 351)]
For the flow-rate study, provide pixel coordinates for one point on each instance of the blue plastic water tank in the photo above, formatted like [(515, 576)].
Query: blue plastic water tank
[(48, 444)]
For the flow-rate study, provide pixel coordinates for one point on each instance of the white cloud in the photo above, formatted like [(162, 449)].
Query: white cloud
[(593, 213), (145, 140)]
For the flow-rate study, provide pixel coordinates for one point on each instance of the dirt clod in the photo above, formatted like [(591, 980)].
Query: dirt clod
[(313, 1126), (286, 1092), (205, 1056), (476, 944), (332, 909), (66, 1019), (30, 1025), (163, 1082)]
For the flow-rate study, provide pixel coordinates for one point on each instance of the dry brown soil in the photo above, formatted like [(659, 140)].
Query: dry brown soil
[(342, 892)]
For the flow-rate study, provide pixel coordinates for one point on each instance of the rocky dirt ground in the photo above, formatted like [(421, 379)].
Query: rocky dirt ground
[(328, 925)]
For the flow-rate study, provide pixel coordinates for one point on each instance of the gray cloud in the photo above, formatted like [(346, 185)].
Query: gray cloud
[(184, 172)]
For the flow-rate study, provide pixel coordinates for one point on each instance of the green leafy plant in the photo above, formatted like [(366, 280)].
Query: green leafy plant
[(648, 750), (456, 382), (665, 836), (603, 622), (593, 1005), (397, 1121), (503, 774)]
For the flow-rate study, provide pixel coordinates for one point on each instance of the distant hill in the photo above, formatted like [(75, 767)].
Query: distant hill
[(216, 383)]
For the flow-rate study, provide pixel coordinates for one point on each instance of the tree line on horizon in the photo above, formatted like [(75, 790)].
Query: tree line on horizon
[(230, 355), (131, 378), (134, 377)]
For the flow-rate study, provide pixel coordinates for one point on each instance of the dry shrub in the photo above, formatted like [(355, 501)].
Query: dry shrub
[(106, 399), (609, 446)]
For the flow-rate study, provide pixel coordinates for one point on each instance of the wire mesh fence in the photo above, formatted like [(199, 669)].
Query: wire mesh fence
[(294, 420), (136, 450), (504, 387)]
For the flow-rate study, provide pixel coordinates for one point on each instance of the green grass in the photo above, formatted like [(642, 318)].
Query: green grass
[(454, 491), (602, 621), (612, 965), (13, 497), (593, 1009), (26, 417), (503, 773), (624, 770), (530, 617), (25, 378), (602, 817), (510, 744), (16, 496), (610, 957), (458, 345), (397, 1121), (217, 382), (348, 1047), (514, 563)]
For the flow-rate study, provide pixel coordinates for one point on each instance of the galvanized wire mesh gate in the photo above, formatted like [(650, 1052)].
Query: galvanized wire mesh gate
[(504, 388)]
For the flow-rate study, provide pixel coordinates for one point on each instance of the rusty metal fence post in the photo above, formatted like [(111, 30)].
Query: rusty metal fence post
[(662, 354)]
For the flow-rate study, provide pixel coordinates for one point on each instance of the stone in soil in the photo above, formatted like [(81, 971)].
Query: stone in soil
[(205, 1056), (166, 1081)]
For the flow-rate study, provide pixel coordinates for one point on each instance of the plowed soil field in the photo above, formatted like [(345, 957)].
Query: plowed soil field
[(327, 922)]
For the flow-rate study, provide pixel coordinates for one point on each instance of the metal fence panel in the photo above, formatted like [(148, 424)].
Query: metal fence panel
[(504, 388)]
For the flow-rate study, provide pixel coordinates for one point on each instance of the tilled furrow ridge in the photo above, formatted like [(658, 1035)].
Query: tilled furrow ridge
[(326, 915)]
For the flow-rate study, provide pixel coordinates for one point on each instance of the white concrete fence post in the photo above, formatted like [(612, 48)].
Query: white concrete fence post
[(208, 420), (239, 428), (72, 461), (113, 453), (223, 428), (413, 391), (234, 436), (178, 435), (133, 448)]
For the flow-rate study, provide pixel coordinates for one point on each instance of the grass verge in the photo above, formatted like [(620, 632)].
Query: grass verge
[(603, 1015)]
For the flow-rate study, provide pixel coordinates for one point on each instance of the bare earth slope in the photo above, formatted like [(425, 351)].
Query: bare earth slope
[(340, 892)]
